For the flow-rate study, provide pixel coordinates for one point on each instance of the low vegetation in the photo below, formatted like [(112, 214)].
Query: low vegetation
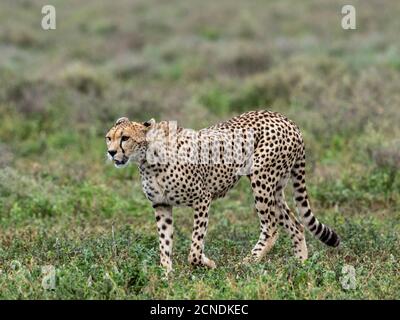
[(198, 62)]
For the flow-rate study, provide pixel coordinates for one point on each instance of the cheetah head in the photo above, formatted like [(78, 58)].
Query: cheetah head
[(126, 141)]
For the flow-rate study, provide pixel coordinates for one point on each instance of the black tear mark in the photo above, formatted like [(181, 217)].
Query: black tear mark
[(120, 144)]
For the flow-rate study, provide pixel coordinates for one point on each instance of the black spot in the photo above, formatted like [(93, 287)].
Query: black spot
[(157, 205)]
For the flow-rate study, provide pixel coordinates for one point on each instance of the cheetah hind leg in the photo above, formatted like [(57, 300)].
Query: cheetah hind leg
[(265, 206), (251, 258), (288, 220)]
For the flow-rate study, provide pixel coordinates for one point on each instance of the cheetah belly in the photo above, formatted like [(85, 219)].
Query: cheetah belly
[(167, 189), (220, 180)]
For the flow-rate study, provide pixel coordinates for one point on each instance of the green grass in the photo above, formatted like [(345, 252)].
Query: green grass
[(62, 204)]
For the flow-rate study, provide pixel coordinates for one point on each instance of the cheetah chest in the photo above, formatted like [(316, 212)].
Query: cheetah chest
[(153, 189)]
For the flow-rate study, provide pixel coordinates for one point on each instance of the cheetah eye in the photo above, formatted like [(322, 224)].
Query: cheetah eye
[(108, 139), (124, 138)]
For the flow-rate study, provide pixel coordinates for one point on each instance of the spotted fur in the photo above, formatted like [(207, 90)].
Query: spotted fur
[(278, 155)]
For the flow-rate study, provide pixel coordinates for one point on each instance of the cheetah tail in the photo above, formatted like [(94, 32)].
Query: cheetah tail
[(319, 230)]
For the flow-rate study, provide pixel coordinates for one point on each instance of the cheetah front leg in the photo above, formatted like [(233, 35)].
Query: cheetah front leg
[(165, 232), (196, 255)]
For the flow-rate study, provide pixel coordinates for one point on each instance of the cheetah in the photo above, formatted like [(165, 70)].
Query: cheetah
[(183, 167)]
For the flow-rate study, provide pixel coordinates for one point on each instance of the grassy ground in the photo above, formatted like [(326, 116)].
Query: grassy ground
[(197, 62)]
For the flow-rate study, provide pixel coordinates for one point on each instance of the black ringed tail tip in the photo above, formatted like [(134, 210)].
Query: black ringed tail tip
[(333, 240)]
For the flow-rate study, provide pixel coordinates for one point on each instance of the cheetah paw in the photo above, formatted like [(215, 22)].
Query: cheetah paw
[(209, 263)]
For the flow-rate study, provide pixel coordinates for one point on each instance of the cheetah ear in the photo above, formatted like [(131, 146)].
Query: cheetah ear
[(121, 120), (149, 123)]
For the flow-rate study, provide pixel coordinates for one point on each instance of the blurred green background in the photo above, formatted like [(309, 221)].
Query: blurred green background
[(197, 62)]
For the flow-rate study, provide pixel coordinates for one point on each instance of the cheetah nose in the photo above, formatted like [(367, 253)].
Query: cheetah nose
[(112, 152)]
